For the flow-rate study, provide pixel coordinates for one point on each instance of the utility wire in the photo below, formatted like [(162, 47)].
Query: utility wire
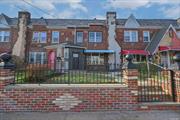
[(38, 8)]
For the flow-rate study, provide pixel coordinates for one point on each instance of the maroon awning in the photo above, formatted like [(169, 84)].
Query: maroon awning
[(136, 52), (167, 48)]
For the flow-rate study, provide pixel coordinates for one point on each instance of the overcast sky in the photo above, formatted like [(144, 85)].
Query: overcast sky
[(93, 8)]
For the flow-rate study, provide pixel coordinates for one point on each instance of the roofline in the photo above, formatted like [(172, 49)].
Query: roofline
[(170, 26)]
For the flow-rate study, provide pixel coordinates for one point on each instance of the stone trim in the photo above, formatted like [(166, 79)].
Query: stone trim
[(7, 78), (65, 85)]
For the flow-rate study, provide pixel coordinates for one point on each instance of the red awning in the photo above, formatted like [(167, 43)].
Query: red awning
[(136, 52), (166, 48)]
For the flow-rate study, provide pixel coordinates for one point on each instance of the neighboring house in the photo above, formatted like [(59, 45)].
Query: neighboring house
[(89, 43)]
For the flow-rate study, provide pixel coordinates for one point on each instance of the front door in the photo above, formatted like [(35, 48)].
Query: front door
[(75, 63), (51, 59)]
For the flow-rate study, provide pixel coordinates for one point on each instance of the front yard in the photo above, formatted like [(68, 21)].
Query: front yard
[(68, 77)]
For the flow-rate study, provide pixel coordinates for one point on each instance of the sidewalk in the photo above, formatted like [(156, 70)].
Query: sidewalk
[(153, 115)]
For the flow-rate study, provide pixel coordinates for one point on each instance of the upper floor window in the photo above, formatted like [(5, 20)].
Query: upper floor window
[(4, 36), (55, 37), (146, 36), (40, 37), (130, 36), (95, 36), (79, 37)]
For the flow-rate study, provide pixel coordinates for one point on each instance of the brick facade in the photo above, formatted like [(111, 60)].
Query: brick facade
[(140, 45)]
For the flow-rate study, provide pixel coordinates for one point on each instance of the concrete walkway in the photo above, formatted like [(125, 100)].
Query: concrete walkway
[(153, 115)]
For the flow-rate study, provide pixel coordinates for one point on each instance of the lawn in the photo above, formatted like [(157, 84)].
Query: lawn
[(70, 77)]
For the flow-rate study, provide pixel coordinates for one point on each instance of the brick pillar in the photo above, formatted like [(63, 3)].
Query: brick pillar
[(177, 85), (6, 77), (130, 77)]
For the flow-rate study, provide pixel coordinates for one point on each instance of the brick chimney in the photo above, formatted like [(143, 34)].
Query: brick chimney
[(112, 43), (19, 48)]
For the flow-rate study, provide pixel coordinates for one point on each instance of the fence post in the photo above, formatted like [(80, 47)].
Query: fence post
[(6, 77), (130, 76)]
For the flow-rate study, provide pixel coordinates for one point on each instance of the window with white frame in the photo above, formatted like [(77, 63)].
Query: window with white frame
[(130, 36), (95, 37), (37, 57), (79, 37), (4, 36), (146, 36), (39, 37), (55, 37), (95, 59)]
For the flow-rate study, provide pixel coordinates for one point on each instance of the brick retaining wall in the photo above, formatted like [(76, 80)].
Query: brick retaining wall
[(15, 98), (76, 98), (177, 84)]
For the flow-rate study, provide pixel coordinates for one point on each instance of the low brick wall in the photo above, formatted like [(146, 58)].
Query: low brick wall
[(177, 85), (77, 98), (57, 98)]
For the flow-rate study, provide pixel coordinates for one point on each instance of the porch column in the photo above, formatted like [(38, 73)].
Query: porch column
[(177, 85), (168, 57)]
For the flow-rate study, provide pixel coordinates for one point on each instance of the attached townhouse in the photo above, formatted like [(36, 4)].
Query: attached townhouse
[(90, 43)]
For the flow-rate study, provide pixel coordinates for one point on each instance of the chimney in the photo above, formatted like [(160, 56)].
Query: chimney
[(20, 46), (112, 43), (111, 18), (25, 15)]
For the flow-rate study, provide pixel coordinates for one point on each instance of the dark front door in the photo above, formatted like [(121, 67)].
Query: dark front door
[(76, 61)]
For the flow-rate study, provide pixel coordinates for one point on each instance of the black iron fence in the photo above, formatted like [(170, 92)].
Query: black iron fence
[(60, 73), (155, 84)]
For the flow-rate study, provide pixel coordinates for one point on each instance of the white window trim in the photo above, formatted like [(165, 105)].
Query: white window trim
[(3, 36), (77, 37), (148, 36), (39, 37), (35, 55), (95, 39), (130, 33), (53, 37)]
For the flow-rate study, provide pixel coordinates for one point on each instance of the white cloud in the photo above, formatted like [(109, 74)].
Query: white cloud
[(79, 6), (48, 4), (171, 12), (133, 4)]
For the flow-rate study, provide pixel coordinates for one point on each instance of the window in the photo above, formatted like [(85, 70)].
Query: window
[(79, 37), (4, 36), (130, 36), (95, 36), (95, 59), (146, 36), (55, 37), (39, 37), (37, 57)]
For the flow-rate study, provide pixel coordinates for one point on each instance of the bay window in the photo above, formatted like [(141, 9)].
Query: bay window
[(95, 59)]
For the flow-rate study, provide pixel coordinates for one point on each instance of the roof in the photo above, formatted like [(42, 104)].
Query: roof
[(86, 22), (150, 22), (151, 47)]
